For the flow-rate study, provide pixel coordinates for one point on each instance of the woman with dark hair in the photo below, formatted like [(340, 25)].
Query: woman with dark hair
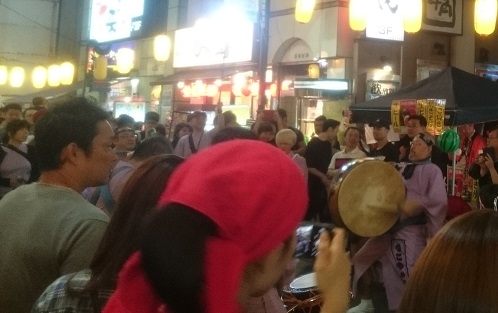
[(457, 271), (211, 244), (18, 163), (88, 291), (181, 129)]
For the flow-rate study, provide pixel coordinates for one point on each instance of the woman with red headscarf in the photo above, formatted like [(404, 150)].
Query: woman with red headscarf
[(216, 239)]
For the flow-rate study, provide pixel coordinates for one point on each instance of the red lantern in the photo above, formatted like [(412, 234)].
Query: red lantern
[(187, 91)]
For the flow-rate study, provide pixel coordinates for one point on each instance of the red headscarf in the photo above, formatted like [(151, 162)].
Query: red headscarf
[(256, 196)]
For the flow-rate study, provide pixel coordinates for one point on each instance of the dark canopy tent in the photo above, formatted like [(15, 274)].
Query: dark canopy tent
[(469, 98)]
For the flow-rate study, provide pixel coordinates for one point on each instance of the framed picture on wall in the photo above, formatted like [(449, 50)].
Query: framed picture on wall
[(443, 16)]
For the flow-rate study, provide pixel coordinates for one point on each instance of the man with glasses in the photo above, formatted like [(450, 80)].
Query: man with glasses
[(421, 216), (416, 124)]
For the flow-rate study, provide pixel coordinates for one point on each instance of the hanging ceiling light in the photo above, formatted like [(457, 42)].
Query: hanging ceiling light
[(39, 77), (16, 77), (304, 10), (357, 14), (485, 16), (54, 75), (4, 75), (125, 59), (162, 46), (67, 73), (412, 15)]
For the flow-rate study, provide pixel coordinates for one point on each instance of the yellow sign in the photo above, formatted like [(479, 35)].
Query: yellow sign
[(395, 108)]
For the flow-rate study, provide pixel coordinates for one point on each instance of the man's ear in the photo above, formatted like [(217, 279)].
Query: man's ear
[(71, 153)]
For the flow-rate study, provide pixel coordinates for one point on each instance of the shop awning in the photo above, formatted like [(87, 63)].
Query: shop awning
[(48, 93), (210, 73)]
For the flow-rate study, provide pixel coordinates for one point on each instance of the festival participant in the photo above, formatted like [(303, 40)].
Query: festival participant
[(383, 146), (211, 244), (47, 229), (456, 272), (484, 167), (181, 129), (285, 139), (89, 289), (351, 150), (422, 215), (318, 154)]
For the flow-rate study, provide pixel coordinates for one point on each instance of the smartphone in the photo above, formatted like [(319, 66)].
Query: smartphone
[(490, 151), (308, 235)]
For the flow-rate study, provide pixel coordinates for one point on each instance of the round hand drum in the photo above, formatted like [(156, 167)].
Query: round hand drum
[(366, 196)]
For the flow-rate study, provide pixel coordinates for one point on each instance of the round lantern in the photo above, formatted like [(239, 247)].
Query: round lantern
[(211, 90), (357, 14), (67, 73), (485, 16), (412, 16), (16, 77), (4, 75), (100, 68), (39, 77), (125, 59), (448, 141), (54, 75), (304, 10), (313, 71), (162, 46)]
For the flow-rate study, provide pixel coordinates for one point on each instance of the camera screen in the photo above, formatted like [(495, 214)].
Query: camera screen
[(308, 235)]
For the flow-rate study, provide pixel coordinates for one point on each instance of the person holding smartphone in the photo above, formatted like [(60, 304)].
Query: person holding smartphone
[(485, 165)]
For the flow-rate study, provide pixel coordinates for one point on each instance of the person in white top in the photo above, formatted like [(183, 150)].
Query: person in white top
[(351, 150), (199, 139)]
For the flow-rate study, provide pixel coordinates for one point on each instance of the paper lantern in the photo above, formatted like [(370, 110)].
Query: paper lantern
[(358, 14), (485, 16), (125, 59), (100, 68), (273, 90), (304, 10), (4, 75), (211, 90), (237, 90), (16, 78), (54, 75), (162, 46), (254, 88), (313, 71), (412, 15), (67, 73), (39, 77), (448, 141), (186, 91)]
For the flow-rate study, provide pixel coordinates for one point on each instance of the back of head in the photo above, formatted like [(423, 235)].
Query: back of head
[(209, 228), (39, 101), (286, 136), (233, 133), (152, 116), (152, 146), (137, 201), (196, 114), (13, 106), (488, 196), (124, 120), (74, 121), (330, 123), (457, 271), (282, 113)]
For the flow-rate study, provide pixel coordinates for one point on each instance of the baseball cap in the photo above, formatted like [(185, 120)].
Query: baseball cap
[(380, 123), (124, 129)]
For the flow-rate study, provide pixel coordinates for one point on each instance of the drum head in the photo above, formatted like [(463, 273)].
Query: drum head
[(369, 196), (304, 282)]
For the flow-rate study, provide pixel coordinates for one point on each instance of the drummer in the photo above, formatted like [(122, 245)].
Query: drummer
[(350, 151), (422, 215)]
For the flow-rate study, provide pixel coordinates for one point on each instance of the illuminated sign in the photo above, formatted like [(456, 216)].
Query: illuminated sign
[(384, 20), (115, 19), (211, 44)]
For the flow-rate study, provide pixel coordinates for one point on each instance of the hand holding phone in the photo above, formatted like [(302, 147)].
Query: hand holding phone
[(489, 151)]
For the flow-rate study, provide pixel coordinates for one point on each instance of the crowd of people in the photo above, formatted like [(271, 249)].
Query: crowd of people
[(99, 215)]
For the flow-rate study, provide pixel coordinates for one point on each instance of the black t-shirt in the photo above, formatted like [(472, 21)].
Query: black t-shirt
[(318, 154), (389, 151)]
